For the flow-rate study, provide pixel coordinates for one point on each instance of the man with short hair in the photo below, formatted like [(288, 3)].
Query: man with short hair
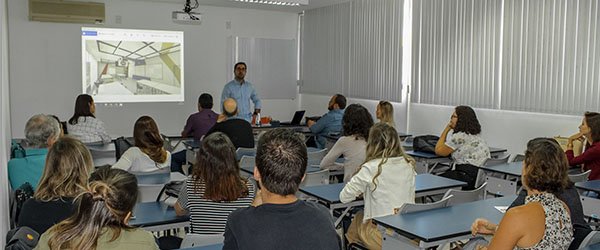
[(277, 219), (243, 92), (200, 122), (330, 122), (238, 130), (197, 125), (41, 131)]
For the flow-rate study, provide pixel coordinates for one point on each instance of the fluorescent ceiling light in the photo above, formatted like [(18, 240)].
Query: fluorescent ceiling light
[(277, 2)]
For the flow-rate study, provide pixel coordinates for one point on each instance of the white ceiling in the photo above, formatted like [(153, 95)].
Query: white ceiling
[(228, 3)]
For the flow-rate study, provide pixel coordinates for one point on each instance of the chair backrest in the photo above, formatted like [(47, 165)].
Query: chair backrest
[(591, 207), (580, 177), (241, 151), (315, 157), (149, 192), (316, 178), (121, 145), (247, 162), (151, 183), (460, 196), (411, 208), (497, 161), (102, 154), (592, 238), (198, 240), (500, 187), (519, 157)]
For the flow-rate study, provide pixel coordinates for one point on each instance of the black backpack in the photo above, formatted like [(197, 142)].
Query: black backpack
[(21, 238), (21, 195), (425, 143)]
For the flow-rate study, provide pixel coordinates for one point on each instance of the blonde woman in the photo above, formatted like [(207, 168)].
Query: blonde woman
[(148, 155), (67, 169), (385, 113), (101, 218), (386, 181)]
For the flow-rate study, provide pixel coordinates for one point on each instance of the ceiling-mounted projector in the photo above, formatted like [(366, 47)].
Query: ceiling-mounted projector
[(186, 17)]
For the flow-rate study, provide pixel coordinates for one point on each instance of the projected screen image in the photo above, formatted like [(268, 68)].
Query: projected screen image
[(121, 65)]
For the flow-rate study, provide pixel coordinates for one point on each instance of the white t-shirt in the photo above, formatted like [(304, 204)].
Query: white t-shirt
[(134, 160), (468, 149)]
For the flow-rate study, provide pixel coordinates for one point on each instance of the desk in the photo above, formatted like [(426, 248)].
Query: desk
[(157, 216), (426, 225), (593, 247), (209, 247), (593, 186), (426, 161), (425, 185)]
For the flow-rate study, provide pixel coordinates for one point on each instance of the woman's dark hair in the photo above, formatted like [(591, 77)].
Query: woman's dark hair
[(205, 101), (546, 166), (357, 121), (593, 121), (83, 105), (467, 121), (218, 168), (110, 196), (148, 139)]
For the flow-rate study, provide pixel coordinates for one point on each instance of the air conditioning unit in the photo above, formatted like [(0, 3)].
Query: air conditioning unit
[(66, 11)]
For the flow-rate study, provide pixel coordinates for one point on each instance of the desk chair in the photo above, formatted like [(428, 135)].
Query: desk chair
[(316, 178), (460, 196), (102, 154), (500, 187), (247, 162), (315, 157), (150, 184), (490, 162), (591, 207), (580, 177), (518, 157), (241, 151), (417, 207), (591, 239), (198, 240)]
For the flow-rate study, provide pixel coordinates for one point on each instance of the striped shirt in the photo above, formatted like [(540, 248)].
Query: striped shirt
[(207, 216)]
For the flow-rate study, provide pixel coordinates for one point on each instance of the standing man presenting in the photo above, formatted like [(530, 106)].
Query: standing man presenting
[(243, 92)]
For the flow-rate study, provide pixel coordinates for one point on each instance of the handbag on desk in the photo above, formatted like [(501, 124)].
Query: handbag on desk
[(577, 145), (425, 143)]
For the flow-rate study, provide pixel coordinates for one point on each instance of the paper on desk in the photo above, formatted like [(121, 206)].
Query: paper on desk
[(502, 209)]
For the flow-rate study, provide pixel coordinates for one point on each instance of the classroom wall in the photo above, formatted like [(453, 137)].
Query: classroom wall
[(504, 129), (45, 61)]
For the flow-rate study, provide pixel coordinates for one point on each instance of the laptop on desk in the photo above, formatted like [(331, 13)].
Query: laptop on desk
[(296, 120)]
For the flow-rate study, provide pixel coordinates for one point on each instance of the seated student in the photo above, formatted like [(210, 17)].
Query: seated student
[(196, 126), (238, 130), (41, 131), (84, 125), (330, 122), (66, 173), (385, 113), (148, 155), (279, 220), (386, 181), (544, 221), (101, 218), (215, 188), (590, 159), (356, 124), (466, 145)]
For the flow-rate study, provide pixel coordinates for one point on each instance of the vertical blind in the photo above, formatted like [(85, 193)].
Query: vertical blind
[(456, 46), (354, 48), (551, 56), (375, 62), (325, 50)]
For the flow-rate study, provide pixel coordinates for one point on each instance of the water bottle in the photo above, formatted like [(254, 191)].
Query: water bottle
[(258, 119)]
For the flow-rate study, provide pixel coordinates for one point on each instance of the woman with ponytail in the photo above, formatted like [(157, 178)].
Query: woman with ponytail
[(148, 155), (386, 181), (101, 218)]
